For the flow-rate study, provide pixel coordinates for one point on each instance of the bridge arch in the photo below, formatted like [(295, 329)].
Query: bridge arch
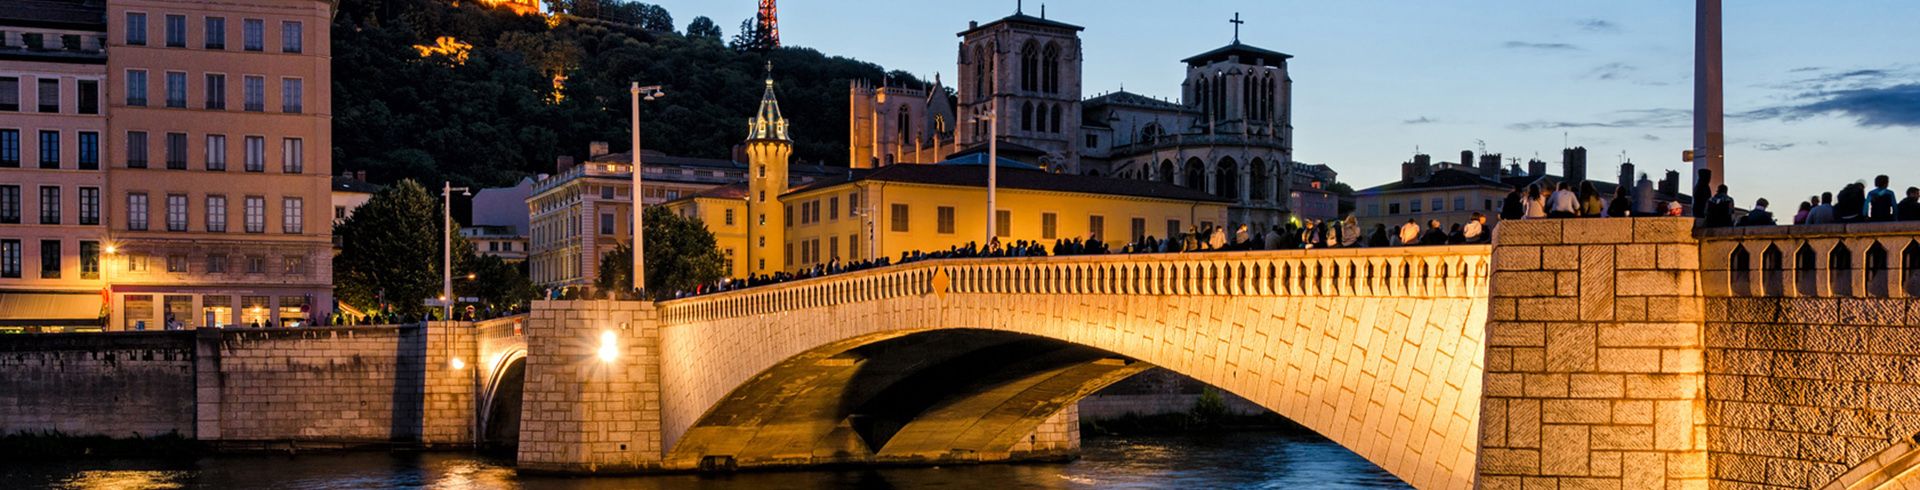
[(1387, 365)]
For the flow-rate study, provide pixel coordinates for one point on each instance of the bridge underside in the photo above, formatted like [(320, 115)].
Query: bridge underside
[(933, 397)]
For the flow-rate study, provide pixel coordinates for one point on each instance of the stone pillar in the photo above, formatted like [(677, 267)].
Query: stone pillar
[(449, 411), (1594, 357), (582, 412)]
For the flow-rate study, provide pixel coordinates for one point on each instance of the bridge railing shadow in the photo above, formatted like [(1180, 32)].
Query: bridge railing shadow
[(1450, 271)]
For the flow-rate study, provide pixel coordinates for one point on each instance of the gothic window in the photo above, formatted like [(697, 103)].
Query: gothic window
[(1151, 132), (906, 125), (1227, 183), (1877, 269), (1200, 96), (1246, 96), (1196, 174), (1051, 82), (1220, 96), (1166, 171), (1840, 270), (1029, 68), (1026, 116), (980, 73), (1054, 115), (1259, 182), (1273, 91)]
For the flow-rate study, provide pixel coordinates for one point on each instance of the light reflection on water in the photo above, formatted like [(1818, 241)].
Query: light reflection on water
[(1241, 460)]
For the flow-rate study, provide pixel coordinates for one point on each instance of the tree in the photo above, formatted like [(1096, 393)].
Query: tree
[(748, 39), (499, 285), (390, 251), (681, 254), (703, 28)]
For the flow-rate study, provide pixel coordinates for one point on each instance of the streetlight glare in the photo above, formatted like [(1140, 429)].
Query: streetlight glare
[(458, 364), (608, 351)]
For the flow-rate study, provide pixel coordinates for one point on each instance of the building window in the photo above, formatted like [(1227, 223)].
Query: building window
[(1414, 205), (1393, 208), (606, 223), (176, 212), (90, 205), (217, 152), (176, 151), (1138, 228), (256, 154), (339, 212), (216, 33), (49, 259), (89, 259), (1097, 227), (176, 31), (88, 95), (136, 29), (945, 220), (49, 95), (217, 214), (10, 259), (1002, 223), (136, 263), (216, 91), (853, 247), (729, 220), (254, 34), (290, 90), (89, 150), (177, 89), (293, 265), (10, 148), (293, 216), (9, 204), (1048, 225), (1459, 204), (256, 214), (1373, 209), (787, 215), (833, 208), (136, 149), (293, 157), (9, 92), (787, 252), (290, 36), (49, 205), (137, 212), (256, 264), (254, 90), (50, 149), (606, 192), (1093, 141), (898, 215), (216, 264), (137, 88), (176, 263)]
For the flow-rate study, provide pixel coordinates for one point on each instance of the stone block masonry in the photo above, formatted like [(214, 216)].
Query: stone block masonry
[(592, 399), (1594, 357), (116, 384)]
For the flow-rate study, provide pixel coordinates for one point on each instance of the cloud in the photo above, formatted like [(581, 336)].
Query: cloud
[(1871, 107), (1420, 120), (1636, 118), (1649, 137), (1774, 146), (1612, 71), (1597, 25), (1540, 46)]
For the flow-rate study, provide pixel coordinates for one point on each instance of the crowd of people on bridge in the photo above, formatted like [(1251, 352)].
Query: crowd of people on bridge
[(1853, 204)]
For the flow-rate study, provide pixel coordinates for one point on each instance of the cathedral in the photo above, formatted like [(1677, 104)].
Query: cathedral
[(1230, 134)]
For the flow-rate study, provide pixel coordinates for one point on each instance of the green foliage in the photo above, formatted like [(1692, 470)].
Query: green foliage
[(681, 253), (1210, 409), (390, 250), (703, 28), (498, 117), (498, 284)]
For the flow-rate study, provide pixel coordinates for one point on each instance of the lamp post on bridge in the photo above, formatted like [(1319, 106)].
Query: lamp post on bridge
[(446, 245), (639, 248)]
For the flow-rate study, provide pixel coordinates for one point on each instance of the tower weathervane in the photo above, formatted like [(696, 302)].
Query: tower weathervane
[(1236, 27)]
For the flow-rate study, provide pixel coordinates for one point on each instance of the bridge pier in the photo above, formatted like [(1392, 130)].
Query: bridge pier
[(1595, 357), (592, 395)]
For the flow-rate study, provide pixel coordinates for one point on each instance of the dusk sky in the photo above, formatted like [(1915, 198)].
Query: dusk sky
[(1818, 93)]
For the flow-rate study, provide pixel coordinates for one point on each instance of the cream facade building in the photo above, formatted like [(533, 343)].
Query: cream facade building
[(219, 162), (52, 233)]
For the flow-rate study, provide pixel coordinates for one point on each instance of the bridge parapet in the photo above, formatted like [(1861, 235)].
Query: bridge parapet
[(1867, 260), (1449, 272)]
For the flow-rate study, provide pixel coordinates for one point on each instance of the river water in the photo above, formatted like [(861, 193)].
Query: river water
[(1190, 462)]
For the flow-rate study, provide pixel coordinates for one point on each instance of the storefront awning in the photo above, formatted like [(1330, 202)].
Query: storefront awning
[(50, 309)]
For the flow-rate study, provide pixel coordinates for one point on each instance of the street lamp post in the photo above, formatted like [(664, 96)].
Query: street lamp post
[(446, 244), (638, 93), (990, 116)]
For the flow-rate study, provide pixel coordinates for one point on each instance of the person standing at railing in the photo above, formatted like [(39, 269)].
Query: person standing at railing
[(1350, 231), (1909, 208), (1514, 207), (1851, 205), (1590, 204), (1534, 202), (1806, 208), (1476, 229), (1563, 203), (1409, 234), (1622, 205), (1759, 216), (1379, 238), (1719, 209), (1822, 213), (1880, 201)]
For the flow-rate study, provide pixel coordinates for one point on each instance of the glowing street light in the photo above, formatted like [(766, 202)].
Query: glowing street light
[(608, 346)]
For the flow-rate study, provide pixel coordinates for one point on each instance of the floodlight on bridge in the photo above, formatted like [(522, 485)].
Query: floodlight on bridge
[(608, 351)]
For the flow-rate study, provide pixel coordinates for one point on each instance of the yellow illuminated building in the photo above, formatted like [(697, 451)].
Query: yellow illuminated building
[(763, 227)]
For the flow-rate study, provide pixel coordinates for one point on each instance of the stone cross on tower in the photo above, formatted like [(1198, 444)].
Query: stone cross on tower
[(1236, 27)]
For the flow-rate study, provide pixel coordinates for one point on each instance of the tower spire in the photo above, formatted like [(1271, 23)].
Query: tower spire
[(768, 124)]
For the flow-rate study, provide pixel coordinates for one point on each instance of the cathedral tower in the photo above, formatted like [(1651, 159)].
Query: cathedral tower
[(1026, 70), (768, 149)]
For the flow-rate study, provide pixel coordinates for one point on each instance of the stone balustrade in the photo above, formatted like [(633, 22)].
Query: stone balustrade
[(1867, 260), (1450, 272)]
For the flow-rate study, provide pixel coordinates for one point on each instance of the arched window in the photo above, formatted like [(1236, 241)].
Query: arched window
[(1910, 263), (1806, 279), (1026, 116), (1877, 269), (1740, 271), (1772, 272), (1220, 95), (1227, 179), (1840, 270), (1166, 171), (1055, 116), (1196, 174), (1151, 133), (1246, 96), (1273, 97), (1051, 67), (906, 125), (1202, 98), (980, 73), (1040, 118), (1258, 184), (1029, 67)]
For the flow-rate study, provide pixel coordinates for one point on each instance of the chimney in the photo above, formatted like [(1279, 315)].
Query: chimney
[(1490, 166), (562, 164), (1422, 166), (597, 149), (1573, 164), (1670, 186), (1536, 168), (1626, 175), (1466, 158), (1643, 197)]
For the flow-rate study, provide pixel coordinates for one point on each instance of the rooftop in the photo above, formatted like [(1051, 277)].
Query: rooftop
[(349, 184), (1248, 54), (1015, 178), (1022, 18)]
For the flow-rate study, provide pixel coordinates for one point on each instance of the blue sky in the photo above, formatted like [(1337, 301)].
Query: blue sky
[(1818, 93)]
